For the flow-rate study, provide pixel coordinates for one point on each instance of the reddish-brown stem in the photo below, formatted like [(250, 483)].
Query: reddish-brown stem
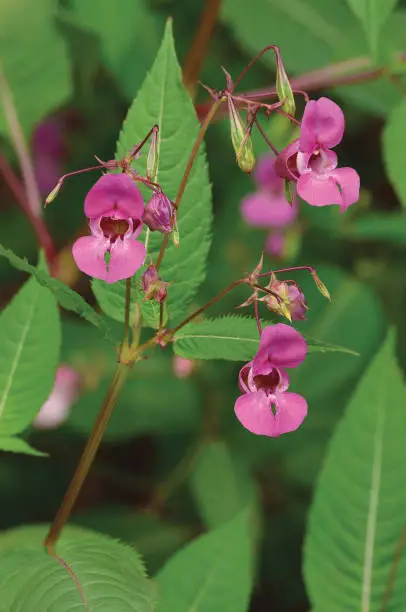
[(257, 317), (199, 47), (37, 223), (138, 147), (265, 137), (282, 270), (274, 48), (213, 300)]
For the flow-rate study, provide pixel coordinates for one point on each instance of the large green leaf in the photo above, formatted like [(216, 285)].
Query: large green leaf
[(230, 337), (66, 297), (372, 14), (394, 150), (311, 34), (221, 485), (90, 572), (359, 505), (129, 36), (34, 60), (162, 100), (31, 337), (212, 574), (17, 445)]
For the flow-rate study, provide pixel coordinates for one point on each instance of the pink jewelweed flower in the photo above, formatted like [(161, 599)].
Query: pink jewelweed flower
[(48, 152), (266, 408), (56, 409), (114, 207), (310, 161)]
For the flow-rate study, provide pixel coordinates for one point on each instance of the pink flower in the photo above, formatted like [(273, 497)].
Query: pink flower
[(48, 152), (115, 208), (183, 367), (310, 161), (268, 207), (266, 408), (56, 409)]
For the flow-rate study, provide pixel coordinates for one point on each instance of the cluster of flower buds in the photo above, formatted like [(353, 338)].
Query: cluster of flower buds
[(152, 286)]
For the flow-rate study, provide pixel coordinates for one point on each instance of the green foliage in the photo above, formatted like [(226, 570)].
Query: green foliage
[(394, 150), (67, 298), (90, 571), (358, 510), (372, 14), (129, 36), (311, 34), (382, 227), (16, 445), (143, 406), (230, 337), (31, 338), (34, 59), (163, 100), (111, 299), (212, 574), (221, 484)]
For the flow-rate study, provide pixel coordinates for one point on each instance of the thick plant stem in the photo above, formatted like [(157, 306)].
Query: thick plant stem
[(199, 139), (87, 458)]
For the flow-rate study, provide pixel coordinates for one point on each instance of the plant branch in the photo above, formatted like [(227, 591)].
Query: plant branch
[(200, 44), (199, 138), (87, 458)]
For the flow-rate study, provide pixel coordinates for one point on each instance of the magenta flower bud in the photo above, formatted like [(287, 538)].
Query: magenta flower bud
[(182, 367), (292, 303), (158, 214), (153, 287), (57, 407)]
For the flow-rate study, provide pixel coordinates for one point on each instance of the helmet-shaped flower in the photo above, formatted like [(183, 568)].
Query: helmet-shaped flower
[(114, 207)]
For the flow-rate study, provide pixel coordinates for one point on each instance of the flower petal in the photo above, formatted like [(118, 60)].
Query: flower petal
[(349, 182), (280, 346), (254, 412), (262, 209), (285, 163), (291, 410), (114, 192), (264, 172), (275, 244), (88, 253), (322, 124), (126, 256), (319, 189)]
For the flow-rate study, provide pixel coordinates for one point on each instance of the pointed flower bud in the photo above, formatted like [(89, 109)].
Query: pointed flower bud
[(153, 156), (153, 287), (52, 195), (292, 302), (283, 87), (241, 139), (320, 285), (158, 214)]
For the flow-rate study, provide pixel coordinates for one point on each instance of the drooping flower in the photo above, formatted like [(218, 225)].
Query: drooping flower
[(153, 287), (56, 409), (114, 207), (266, 407), (268, 207), (310, 161), (159, 214)]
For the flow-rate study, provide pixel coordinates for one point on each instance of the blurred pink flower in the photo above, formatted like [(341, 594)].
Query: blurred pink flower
[(48, 152), (115, 208), (182, 367), (310, 161), (266, 408), (56, 409)]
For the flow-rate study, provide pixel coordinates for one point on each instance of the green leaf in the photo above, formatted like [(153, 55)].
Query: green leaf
[(90, 571), (17, 445), (28, 39), (111, 299), (357, 514), (394, 150), (162, 100), (329, 33), (372, 14), (129, 37), (31, 339), (221, 485), (66, 297), (212, 574), (386, 227), (230, 337)]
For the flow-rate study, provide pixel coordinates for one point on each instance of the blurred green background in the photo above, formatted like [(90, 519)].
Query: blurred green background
[(174, 449)]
